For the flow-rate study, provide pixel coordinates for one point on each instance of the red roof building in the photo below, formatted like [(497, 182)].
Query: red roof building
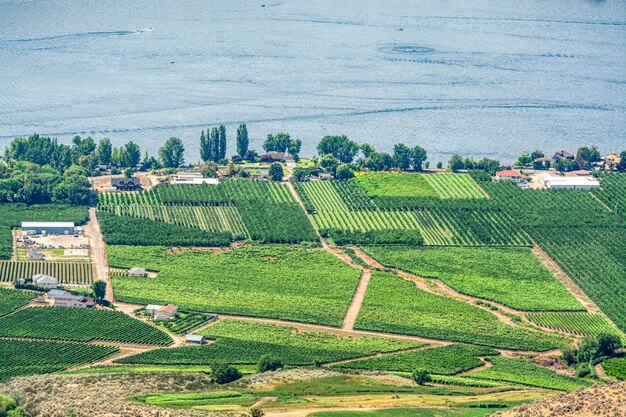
[(509, 175)]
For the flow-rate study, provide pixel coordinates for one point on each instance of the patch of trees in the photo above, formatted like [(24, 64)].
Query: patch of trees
[(457, 162), (172, 153), (213, 144), (592, 351), (282, 142), (29, 183), (223, 373)]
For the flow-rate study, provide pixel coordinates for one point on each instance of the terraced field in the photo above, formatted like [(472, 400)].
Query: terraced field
[(21, 357), (510, 276), (395, 305), (243, 342), (81, 325), (284, 282)]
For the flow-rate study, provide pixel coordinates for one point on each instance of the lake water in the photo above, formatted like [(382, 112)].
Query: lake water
[(481, 78)]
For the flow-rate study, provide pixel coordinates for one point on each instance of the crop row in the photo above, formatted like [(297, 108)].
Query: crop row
[(276, 281), (207, 218), (454, 186), (612, 192), (245, 342), (519, 371), (588, 324), (445, 226), (447, 360), (395, 305), (71, 324), (11, 300), (68, 272), (30, 357)]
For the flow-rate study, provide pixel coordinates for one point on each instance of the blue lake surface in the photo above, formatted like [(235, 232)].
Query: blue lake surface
[(479, 78)]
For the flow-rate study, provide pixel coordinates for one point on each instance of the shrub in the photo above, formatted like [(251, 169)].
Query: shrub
[(421, 376), (269, 363), (223, 373)]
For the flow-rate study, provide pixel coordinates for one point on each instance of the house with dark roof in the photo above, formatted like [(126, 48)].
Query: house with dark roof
[(560, 155), (126, 184)]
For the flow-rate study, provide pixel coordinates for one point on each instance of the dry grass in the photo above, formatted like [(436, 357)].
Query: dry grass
[(98, 395), (607, 400)]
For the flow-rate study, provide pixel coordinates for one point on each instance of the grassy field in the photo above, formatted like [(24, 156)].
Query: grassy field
[(519, 371), (510, 276), (395, 305), (447, 360), (21, 357), (73, 324), (454, 185), (411, 412), (242, 342), (284, 282), (388, 184)]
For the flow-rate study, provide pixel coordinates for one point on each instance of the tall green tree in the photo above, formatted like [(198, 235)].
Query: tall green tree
[(172, 153), (242, 140), (99, 290), (621, 166), (205, 147), (276, 172), (455, 163), (418, 157), (104, 151), (401, 156), (214, 140), (294, 148), (222, 135), (131, 155)]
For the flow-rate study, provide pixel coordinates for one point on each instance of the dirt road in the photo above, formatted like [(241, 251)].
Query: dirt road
[(357, 301), (98, 252)]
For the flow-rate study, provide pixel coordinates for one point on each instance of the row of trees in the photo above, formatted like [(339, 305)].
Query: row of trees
[(585, 158)]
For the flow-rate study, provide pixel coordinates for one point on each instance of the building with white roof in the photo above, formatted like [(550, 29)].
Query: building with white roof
[(50, 228), (571, 183), (45, 281)]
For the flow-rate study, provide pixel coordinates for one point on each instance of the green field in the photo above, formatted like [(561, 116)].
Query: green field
[(519, 371), (454, 186), (284, 282), (411, 412), (388, 184), (232, 210), (588, 324), (615, 367), (74, 324), (240, 342), (447, 360), (395, 305), (21, 357), (510, 276), (13, 299)]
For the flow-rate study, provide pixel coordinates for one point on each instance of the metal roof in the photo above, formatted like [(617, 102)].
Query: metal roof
[(47, 224), (194, 338)]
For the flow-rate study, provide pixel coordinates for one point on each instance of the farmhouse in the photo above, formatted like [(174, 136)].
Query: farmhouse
[(572, 183), (560, 155), (126, 184), (61, 298), (276, 157), (324, 176), (48, 228), (165, 313), (195, 339), (35, 255), (152, 308), (509, 175), (611, 161), (45, 281), (137, 272)]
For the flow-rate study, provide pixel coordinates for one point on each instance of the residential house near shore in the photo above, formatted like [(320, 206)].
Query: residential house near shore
[(510, 175), (60, 298)]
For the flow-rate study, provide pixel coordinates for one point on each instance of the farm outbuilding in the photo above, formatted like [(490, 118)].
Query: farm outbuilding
[(166, 313), (45, 281), (137, 272), (126, 184), (152, 308), (48, 228), (572, 183), (195, 339), (35, 255)]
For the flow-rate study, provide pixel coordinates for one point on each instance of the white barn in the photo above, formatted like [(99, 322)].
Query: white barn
[(570, 183), (45, 281)]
